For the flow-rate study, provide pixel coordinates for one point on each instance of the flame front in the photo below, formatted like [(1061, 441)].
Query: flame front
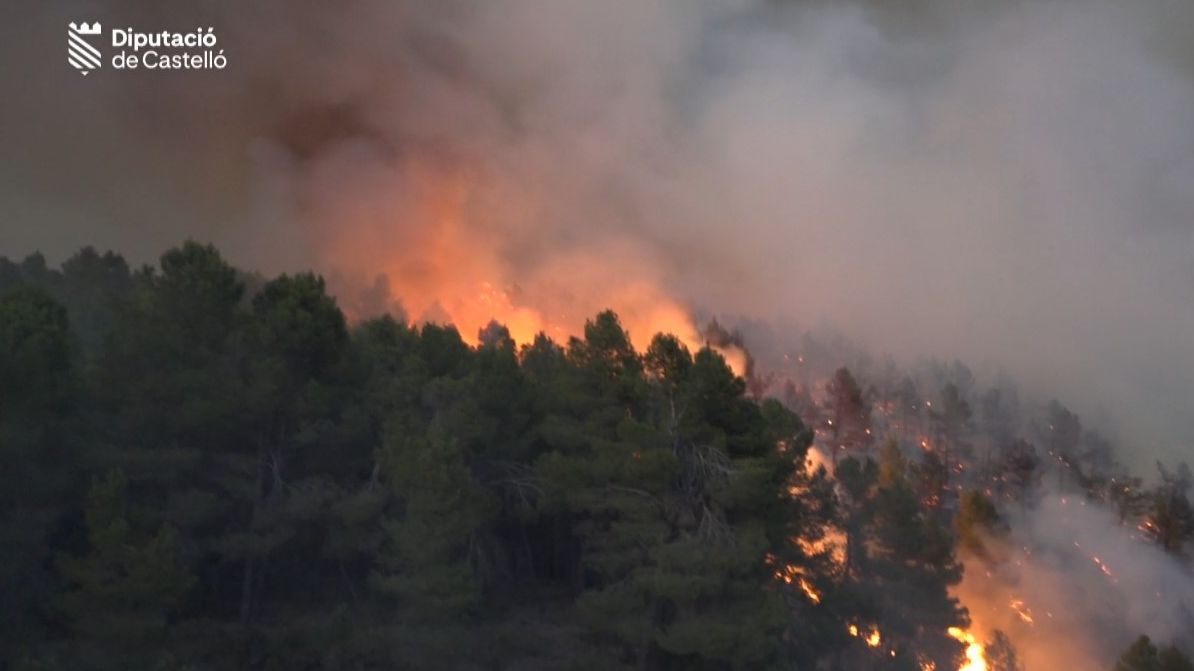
[(445, 262), (976, 659)]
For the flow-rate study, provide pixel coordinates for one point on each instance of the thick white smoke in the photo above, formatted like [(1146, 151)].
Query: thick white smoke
[(1072, 588), (1011, 184)]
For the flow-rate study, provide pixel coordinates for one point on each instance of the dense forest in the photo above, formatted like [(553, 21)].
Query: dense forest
[(202, 469)]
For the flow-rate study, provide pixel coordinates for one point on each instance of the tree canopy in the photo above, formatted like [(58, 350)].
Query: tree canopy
[(205, 469)]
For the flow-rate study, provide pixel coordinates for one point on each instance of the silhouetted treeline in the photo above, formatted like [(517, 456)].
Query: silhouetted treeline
[(200, 469)]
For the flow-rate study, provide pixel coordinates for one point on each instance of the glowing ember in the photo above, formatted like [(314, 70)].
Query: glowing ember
[(812, 594), (816, 459), (790, 574), (1022, 611), (872, 638), (1103, 567)]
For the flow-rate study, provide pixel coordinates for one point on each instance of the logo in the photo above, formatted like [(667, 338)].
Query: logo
[(133, 49), (79, 52)]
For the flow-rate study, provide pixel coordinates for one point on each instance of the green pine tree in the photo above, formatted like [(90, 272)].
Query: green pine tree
[(124, 591)]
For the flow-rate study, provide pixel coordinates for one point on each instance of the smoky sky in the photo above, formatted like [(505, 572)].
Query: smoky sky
[(1007, 183)]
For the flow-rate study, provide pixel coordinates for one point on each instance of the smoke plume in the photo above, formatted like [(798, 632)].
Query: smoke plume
[(1012, 185), (1072, 588)]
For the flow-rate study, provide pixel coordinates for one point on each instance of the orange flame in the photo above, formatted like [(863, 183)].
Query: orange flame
[(445, 261), (873, 638), (791, 574), (809, 591), (976, 659)]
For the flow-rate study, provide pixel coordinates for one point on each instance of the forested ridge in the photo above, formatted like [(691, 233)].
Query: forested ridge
[(205, 469)]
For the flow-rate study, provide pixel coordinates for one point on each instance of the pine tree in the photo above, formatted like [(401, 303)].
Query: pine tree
[(124, 591), (428, 566), (951, 419), (1062, 437), (849, 414), (40, 448), (1000, 654), (1170, 519), (1017, 473), (977, 522), (901, 561), (1143, 655)]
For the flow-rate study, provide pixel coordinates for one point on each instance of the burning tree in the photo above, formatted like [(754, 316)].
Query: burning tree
[(900, 561), (849, 414), (1001, 655), (1170, 518), (394, 491), (951, 425)]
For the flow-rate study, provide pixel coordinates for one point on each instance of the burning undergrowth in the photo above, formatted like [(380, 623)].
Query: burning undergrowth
[(1072, 585)]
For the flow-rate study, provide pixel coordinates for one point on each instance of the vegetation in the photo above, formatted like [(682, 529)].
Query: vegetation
[(1143, 655), (201, 469)]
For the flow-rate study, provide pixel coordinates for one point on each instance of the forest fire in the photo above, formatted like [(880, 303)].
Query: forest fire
[(792, 575), (443, 265), (975, 655), (975, 652), (308, 345)]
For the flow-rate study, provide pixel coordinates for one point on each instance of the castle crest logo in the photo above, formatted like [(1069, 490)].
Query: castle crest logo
[(79, 52)]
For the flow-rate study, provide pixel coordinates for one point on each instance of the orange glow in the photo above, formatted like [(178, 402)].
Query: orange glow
[(872, 637), (975, 654), (443, 260), (807, 587), (1022, 611), (832, 545), (816, 459), (790, 574)]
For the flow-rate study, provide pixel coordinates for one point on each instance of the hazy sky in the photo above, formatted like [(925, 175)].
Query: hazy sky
[(1010, 184)]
